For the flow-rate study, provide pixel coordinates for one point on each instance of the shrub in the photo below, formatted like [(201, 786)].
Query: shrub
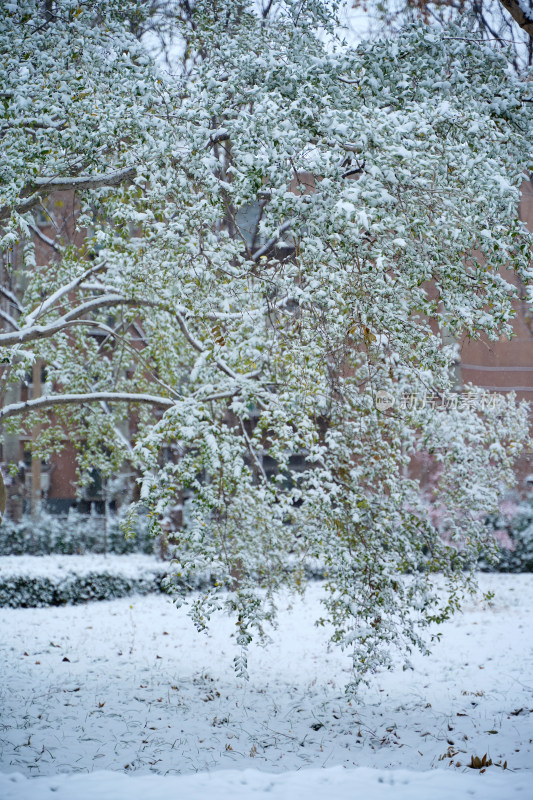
[(53, 581), (513, 528)]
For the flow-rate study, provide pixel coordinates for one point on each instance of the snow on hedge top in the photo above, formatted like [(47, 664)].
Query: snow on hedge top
[(57, 568)]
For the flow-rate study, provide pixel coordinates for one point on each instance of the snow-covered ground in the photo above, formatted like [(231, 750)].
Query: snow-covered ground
[(129, 686)]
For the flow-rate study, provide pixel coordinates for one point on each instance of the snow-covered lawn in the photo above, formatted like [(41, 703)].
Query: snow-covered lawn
[(129, 686)]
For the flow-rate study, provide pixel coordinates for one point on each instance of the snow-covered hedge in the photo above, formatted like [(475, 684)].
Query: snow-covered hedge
[(71, 534), (514, 527), (32, 581)]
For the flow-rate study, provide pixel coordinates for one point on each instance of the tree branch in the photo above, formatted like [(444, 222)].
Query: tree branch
[(35, 332), (86, 181), (61, 292), (49, 242), (516, 10), (218, 361), (11, 297), (9, 319), (125, 343), (40, 187), (220, 135), (271, 242), (78, 399)]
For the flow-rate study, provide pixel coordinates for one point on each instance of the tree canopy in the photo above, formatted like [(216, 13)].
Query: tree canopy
[(277, 244), (504, 23)]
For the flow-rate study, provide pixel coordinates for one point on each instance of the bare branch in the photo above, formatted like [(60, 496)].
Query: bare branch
[(352, 171), (266, 9), (16, 409)]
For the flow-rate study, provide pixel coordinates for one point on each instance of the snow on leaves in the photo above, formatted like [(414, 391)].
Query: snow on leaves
[(297, 227)]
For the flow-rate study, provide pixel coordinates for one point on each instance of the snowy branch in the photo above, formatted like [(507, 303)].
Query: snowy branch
[(220, 135), (61, 292), (218, 361), (45, 239), (32, 333), (198, 347), (9, 319), (11, 297), (15, 409), (44, 186), (274, 240)]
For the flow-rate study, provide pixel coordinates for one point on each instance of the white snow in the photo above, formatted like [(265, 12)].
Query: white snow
[(143, 693), (308, 784)]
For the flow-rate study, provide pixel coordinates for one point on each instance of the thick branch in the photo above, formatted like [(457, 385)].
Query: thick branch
[(11, 297), (35, 332), (271, 242), (49, 242), (41, 187), (61, 292), (9, 319), (16, 409), (86, 181), (516, 10), (220, 135)]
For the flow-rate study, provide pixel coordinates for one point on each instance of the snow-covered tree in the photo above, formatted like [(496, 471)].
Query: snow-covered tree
[(504, 23), (278, 242)]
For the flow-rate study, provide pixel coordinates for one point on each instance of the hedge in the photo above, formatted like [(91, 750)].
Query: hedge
[(54, 581), (71, 534)]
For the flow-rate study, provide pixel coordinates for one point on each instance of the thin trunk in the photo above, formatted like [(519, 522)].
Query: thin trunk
[(36, 431)]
